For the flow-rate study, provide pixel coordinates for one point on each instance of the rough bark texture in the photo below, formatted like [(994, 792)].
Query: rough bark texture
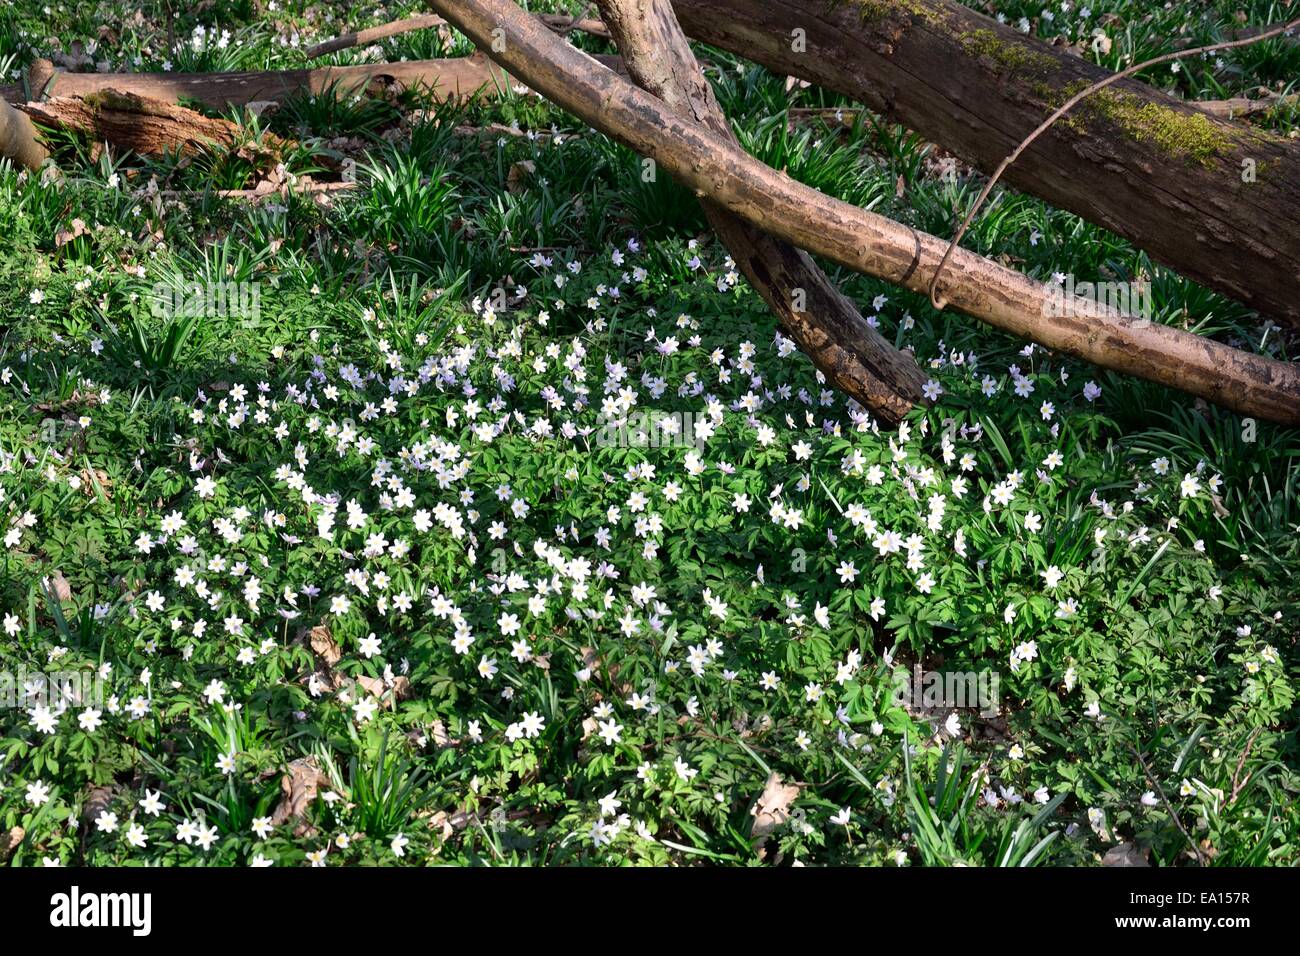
[(853, 356), (868, 243), (19, 140), (456, 78), (1150, 168), (147, 126)]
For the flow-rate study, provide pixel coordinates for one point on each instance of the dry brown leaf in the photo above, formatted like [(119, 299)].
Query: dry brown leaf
[(323, 645), (1124, 854), (10, 841), (64, 236), (450, 823), (773, 807), (300, 786), (90, 478), (440, 821), (59, 587), (375, 687), (519, 172), (438, 734)]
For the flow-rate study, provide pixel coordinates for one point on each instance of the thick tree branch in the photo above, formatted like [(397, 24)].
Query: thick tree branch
[(936, 298), (825, 324)]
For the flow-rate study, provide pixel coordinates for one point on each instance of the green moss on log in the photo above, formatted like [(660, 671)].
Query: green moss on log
[(1007, 54), (1184, 135), (1187, 135)]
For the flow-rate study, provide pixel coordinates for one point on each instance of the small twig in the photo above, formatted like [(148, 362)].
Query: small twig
[(283, 190), (1236, 787), (1249, 33), (500, 129), (1151, 778), (938, 301)]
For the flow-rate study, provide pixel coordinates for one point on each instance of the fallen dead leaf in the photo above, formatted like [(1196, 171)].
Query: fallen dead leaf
[(450, 823), (10, 841), (1124, 854), (64, 236), (375, 687), (519, 172), (323, 645), (773, 807), (59, 587), (96, 479), (300, 786)]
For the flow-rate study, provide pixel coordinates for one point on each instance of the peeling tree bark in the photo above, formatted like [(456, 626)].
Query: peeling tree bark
[(146, 126), (1150, 168), (853, 356), (860, 240)]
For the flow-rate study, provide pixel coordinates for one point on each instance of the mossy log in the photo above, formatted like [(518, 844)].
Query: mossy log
[(1215, 200)]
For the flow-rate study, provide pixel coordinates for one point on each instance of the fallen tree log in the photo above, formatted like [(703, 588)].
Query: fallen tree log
[(1211, 199), (853, 356), (139, 123), (454, 78), (866, 242)]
